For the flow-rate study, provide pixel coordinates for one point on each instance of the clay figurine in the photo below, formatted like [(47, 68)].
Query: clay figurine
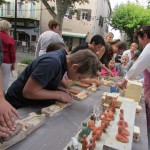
[(68, 148), (110, 114), (93, 141), (85, 131), (91, 124), (90, 146), (121, 136), (75, 144), (93, 117), (99, 132), (84, 143)]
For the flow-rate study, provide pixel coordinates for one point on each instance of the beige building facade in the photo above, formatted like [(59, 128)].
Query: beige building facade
[(28, 16), (87, 20)]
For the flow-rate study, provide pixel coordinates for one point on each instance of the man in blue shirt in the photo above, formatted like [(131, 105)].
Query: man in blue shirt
[(38, 84)]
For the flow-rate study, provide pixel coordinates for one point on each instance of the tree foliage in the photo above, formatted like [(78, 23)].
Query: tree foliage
[(129, 17), (61, 7), (2, 1)]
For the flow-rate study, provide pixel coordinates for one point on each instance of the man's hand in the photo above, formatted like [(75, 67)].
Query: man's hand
[(6, 114), (5, 132), (122, 84), (65, 97), (111, 73), (108, 70)]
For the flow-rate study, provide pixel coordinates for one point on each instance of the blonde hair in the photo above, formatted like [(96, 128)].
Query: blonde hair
[(125, 56), (135, 44), (108, 34), (5, 25)]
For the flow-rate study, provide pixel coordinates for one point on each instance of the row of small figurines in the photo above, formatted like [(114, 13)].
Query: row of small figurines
[(97, 131)]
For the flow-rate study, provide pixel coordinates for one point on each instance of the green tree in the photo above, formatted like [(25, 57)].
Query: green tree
[(129, 17), (61, 6), (2, 1)]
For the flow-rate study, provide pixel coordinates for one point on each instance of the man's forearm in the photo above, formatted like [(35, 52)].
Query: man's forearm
[(41, 95)]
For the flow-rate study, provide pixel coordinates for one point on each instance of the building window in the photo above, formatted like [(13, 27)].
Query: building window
[(32, 10), (84, 15), (19, 9), (8, 9), (1, 10)]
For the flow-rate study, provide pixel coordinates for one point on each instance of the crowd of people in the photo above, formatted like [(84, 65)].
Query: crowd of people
[(54, 69)]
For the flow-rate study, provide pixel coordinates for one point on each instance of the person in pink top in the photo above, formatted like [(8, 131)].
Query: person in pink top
[(142, 64), (111, 67)]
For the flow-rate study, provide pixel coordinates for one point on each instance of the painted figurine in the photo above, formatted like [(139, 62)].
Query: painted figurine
[(85, 130)]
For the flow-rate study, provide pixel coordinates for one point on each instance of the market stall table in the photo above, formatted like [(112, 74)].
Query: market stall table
[(58, 130)]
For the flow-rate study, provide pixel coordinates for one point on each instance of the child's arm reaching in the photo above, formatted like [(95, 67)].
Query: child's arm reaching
[(108, 70)]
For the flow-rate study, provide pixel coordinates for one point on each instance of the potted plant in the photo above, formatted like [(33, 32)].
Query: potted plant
[(23, 64)]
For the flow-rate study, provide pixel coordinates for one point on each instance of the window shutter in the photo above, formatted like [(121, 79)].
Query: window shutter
[(70, 15), (89, 15), (102, 21), (99, 21), (78, 14), (23, 9)]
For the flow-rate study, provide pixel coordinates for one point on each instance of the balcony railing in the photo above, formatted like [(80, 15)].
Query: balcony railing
[(21, 12)]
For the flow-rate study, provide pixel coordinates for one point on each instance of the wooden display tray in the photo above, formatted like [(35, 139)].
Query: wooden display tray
[(106, 82), (53, 109), (74, 91), (92, 88), (85, 85), (99, 144), (108, 140), (81, 96), (111, 143), (78, 94), (91, 81), (28, 125)]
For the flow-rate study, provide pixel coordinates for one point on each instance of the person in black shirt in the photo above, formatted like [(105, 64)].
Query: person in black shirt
[(38, 83), (96, 43)]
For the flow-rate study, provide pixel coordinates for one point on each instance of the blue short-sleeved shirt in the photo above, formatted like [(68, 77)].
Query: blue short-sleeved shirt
[(47, 70)]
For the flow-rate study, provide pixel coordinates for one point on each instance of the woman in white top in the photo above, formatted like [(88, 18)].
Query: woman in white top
[(53, 35), (131, 51), (142, 64)]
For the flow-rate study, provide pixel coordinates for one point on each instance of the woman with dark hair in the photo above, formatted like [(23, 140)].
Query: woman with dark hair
[(142, 64), (111, 50), (97, 45)]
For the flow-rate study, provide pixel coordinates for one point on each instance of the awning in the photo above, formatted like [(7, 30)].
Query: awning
[(71, 34)]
